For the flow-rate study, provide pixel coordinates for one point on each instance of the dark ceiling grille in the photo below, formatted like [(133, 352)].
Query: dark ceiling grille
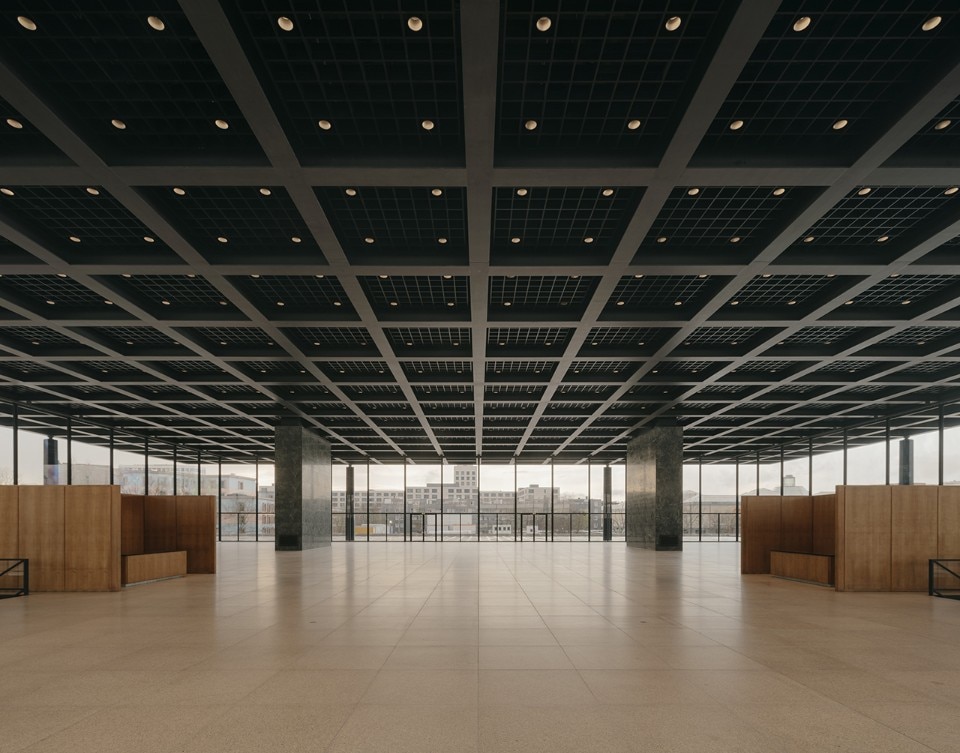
[(593, 72), (856, 61), (660, 268), (161, 85), (357, 66)]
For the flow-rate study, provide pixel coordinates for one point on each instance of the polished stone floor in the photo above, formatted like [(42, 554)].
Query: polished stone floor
[(479, 647)]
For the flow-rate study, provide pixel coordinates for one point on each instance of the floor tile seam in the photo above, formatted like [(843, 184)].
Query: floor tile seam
[(91, 712)]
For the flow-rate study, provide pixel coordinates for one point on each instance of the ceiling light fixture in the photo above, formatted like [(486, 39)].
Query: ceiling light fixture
[(325, 125), (864, 191), (530, 125), (437, 192), (734, 303), (791, 303), (156, 23), (736, 125), (265, 192), (149, 239), (842, 123), (942, 124), (27, 23), (544, 23), (296, 239), (368, 239), (179, 192), (678, 303), (285, 23), (621, 303), (514, 240), (6, 191), (222, 239), (633, 124), (693, 191), (779, 191), (14, 123), (221, 124), (350, 191), (588, 239), (607, 192), (92, 191), (414, 23), (51, 303), (673, 23), (951, 191), (801, 23), (736, 239), (74, 238), (165, 302), (883, 239), (905, 303), (521, 192), (118, 124), (809, 239), (662, 239), (931, 23)]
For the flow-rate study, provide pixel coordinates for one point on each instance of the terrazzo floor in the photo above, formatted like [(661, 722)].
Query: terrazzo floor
[(479, 647)]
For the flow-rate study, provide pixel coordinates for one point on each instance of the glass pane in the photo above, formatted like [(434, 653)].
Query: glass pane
[(926, 457), (160, 470), (40, 440), (339, 502), (572, 496), (209, 483), (6, 445), (534, 488), (238, 499), (361, 528), (266, 528), (187, 482), (423, 488), (691, 501), (496, 488), (618, 479), (867, 464), (89, 455), (129, 464), (796, 474), (827, 471), (719, 501)]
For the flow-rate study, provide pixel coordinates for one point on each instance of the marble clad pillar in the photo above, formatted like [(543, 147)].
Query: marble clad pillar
[(303, 487), (654, 503)]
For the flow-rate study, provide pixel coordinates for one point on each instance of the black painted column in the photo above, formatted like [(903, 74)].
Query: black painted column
[(348, 506), (906, 461), (303, 487), (654, 504)]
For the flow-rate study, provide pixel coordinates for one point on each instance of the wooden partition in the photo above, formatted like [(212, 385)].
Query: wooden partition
[(131, 524), (824, 529), (9, 522), (760, 532), (948, 522), (92, 538), (157, 524), (863, 538), (913, 535), (796, 524), (196, 526), (41, 539)]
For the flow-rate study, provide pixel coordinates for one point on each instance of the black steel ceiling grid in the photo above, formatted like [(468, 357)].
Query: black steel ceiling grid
[(358, 66), (657, 327), (100, 61)]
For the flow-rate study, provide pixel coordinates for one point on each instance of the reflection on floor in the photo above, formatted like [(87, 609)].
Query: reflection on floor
[(490, 647)]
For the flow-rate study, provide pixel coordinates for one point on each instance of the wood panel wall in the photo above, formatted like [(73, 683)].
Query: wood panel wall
[(948, 522), (159, 524), (913, 530), (196, 527), (92, 538), (824, 524), (796, 524), (9, 522), (863, 538), (760, 522), (41, 535), (131, 524)]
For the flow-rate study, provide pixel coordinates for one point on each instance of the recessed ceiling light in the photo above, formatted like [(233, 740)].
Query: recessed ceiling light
[(734, 303), (931, 23), (588, 239), (801, 23), (368, 239), (384, 277), (221, 124), (942, 124), (325, 125), (791, 303), (118, 124), (448, 277), (281, 303), (607, 192), (809, 239), (109, 303), (779, 191), (662, 239), (265, 192), (530, 125), (848, 303), (842, 123), (221, 239), (7, 191), (693, 191), (514, 240), (736, 125), (179, 192), (414, 23), (450, 303), (125, 274), (633, 124), (285, 23), (427, 125), (673, 23), (51, 303), (394, 303), (337, 303), (441, 240), (521, 192), (736, 239), (678, 303), (156, 23), (507, 303), (350, 191), (61, 274), (74, 239), (864, 191), (27, 23), (544, 23), (165, 302), (437, 192), (883, 239), (14, 123), (149, 239), (951, 191), (621, 303), (296, 239), (702, 277), (255, 277)]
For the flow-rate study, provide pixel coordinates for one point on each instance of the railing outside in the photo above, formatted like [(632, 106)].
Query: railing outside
[(14, 578), (944, 578), (710, 526)]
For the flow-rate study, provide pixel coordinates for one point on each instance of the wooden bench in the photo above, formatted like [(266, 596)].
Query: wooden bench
[(139, 568), (812, 568)]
